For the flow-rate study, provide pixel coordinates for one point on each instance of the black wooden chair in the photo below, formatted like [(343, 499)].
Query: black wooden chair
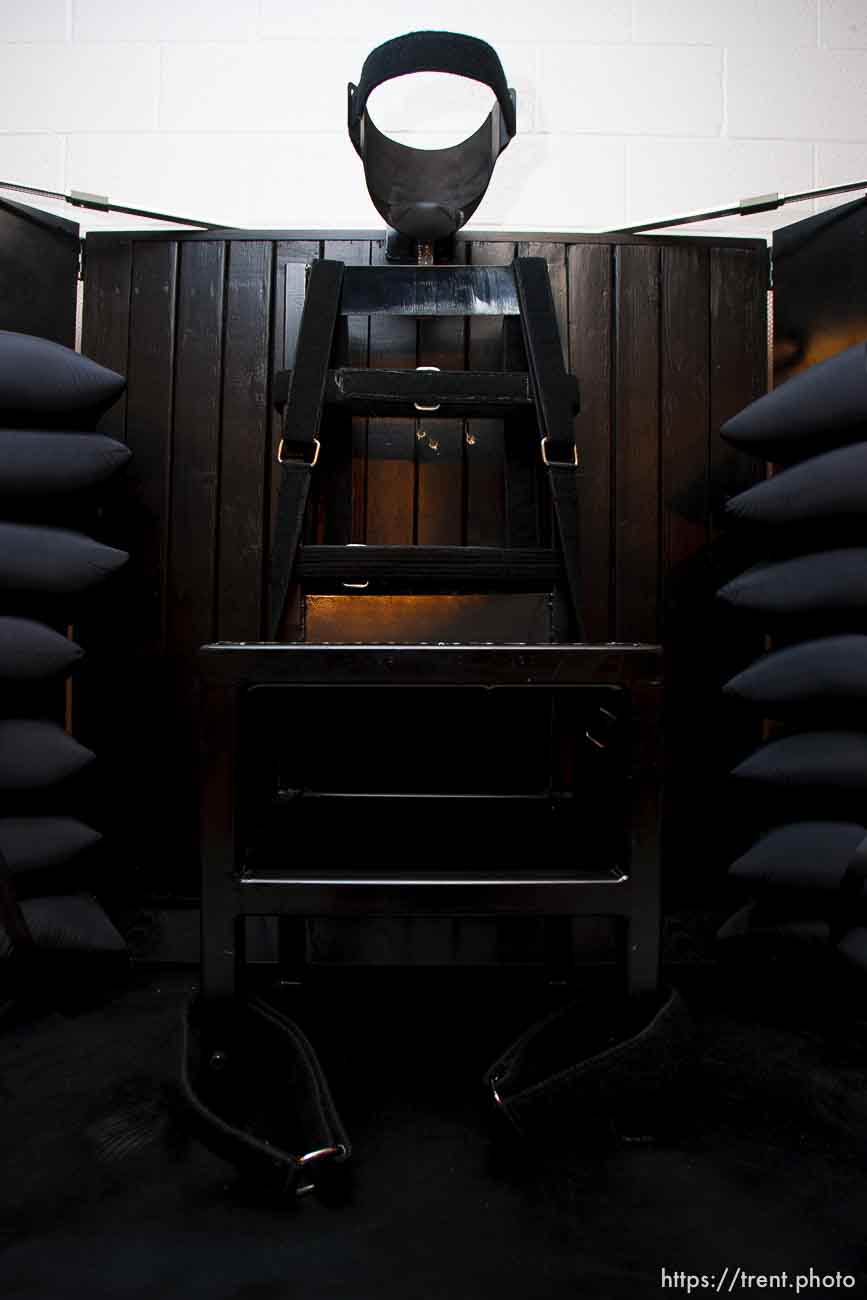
[(530, 784)]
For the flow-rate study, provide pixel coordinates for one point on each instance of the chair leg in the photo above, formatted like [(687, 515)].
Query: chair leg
[(222, 949), (642, 951)]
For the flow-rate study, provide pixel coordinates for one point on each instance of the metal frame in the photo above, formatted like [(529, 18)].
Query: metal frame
[(228, 670)]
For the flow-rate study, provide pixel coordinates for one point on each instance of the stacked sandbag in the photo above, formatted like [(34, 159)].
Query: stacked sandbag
[(53, 469), (809, 593)]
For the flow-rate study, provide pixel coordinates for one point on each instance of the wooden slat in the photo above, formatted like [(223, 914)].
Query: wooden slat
[(105, 333), (687, 594), (636, 492), (92, 712), (738, 374), (685, 397), (440, 442), (391, 442), (245, 441), (144, 725), (590, 351), (191, 569), (38, 273), (485, 480), (418, 290), (196, 452), (149, 437), (738, 364)]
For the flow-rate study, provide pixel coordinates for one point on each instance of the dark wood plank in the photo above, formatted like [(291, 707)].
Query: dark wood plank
[(391, 442), (485, 478), (191, 585), (149, 435), (685, 444), (739, 364), (92, 707), (590, 285), (440, 442), (38, 273), (738, 374), (636, 492), (105, 326), (245, 441), (192, 542), (134, 741), (687, 595)]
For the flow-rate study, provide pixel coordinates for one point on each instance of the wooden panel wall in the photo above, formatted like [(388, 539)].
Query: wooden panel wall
[(667, 338)]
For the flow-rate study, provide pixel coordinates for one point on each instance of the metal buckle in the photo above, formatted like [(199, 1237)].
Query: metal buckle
[(418, 405), (311, 464), (302, 1161), (564, 464)]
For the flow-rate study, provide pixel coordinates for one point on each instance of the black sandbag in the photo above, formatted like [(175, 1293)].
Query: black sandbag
[(69, 923), (853, 946), (53, 561), (41, 378), (801, 857), (828, 489), (36, 463), (814, 411), (754, 928), (827, 676), (42, 843), (35, 754), (30, 651), (812, 759), (824, 590)]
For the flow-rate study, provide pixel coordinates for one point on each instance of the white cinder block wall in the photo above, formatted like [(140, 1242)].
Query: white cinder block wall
[(234, 110)]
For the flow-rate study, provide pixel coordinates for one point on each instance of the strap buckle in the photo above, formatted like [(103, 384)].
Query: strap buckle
[(320, 1153), (418, 405), (281, 459), (559, 464)]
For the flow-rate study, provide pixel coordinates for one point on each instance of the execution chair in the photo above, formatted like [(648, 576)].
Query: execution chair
[(428, 733)]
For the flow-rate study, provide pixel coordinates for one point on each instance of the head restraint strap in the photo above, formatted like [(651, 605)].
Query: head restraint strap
[(463, 56)]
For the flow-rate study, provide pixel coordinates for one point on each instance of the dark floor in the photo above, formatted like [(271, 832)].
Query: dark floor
[(103, 1195)]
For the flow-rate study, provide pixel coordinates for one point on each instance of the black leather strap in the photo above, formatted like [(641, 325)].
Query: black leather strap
[(299, 446), (252, 1085), (463, 56), (556, 395), (596, 1072), (563, 480), (428, 194), (295, 478)]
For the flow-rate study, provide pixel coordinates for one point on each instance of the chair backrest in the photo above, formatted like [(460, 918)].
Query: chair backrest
[(428, 524)]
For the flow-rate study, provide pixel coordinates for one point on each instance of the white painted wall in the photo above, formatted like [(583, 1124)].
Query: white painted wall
[(234, 110)]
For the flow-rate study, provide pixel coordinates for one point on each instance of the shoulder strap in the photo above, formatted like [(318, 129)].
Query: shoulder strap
[(556, 395), (299, 447)]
